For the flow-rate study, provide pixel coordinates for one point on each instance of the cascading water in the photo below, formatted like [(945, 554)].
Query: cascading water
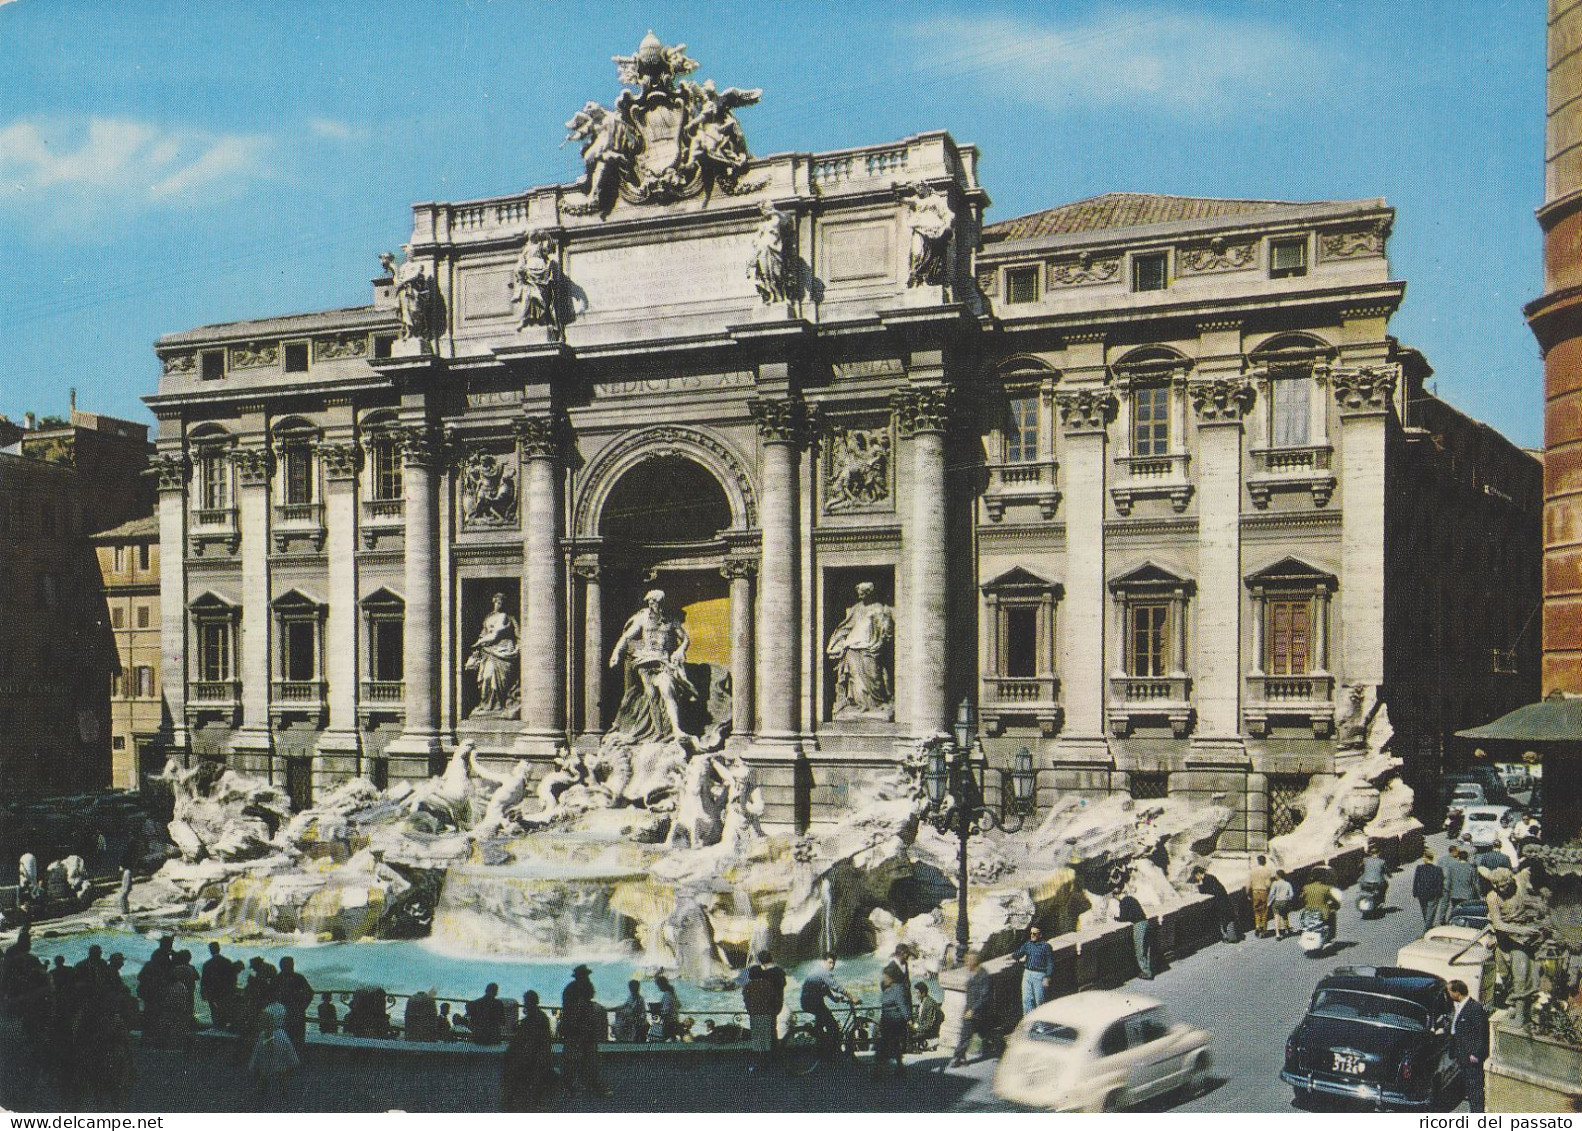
[(826, 897), (533, 912)]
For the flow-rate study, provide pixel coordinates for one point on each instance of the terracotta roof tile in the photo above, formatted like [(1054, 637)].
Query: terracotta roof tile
[(1124, 210)]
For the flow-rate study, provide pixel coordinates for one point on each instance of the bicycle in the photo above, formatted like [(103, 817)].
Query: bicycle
[(801, 1051)]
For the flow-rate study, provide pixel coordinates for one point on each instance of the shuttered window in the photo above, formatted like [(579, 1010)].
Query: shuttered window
[(1290, 636)]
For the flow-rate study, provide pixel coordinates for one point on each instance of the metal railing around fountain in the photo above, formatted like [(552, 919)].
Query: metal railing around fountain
[(732, 1022)]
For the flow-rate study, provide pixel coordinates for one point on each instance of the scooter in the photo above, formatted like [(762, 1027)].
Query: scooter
[(1370, 900), (1317, 933)]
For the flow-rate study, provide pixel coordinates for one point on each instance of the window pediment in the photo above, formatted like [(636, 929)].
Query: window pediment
[(297, 601), (1018, 581), (383, 598), (1150, 577), (1292, 573)]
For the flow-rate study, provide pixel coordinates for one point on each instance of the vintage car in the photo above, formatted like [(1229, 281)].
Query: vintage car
[(1483, 825), (1100, 1050), (1378, 1034), (1451, 953)]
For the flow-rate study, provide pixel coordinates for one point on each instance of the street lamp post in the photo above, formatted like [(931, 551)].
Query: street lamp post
[(955, 794)]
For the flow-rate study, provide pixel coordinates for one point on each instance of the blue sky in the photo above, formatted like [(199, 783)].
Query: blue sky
[(163, 165)]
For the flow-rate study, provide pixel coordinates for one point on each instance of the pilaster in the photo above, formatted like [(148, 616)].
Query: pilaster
[(339, 457), (1085, 415), (254, 465), (172, 468), (587, 570), (739, 572), (922, 416), (1365, 397)]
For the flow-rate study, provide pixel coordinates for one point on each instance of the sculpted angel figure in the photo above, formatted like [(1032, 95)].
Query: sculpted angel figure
[(717, 136), (929, 217), (654, 646), (494, 657), (608, 143), (533, 283)]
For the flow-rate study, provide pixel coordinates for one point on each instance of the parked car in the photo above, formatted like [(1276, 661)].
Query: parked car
[(1100, 1050), (1484, 777), (1473, 913), (1482, 825), (1376, 1034), (1514, 777), (1451, 953), (1464, 794)]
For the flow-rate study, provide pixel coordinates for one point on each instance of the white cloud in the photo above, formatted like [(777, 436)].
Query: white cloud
[(334, 129), (86, 166), (1169, 61)]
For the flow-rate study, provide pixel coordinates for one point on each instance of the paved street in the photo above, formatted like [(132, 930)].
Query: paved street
[(1250, 996)]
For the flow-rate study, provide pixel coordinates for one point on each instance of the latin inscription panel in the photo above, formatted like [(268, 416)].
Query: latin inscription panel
[(856, 251), (485, 294), (682, 383), (662, 274)]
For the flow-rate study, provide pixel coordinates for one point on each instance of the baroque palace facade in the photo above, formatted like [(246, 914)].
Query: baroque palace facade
[(1144, 478)]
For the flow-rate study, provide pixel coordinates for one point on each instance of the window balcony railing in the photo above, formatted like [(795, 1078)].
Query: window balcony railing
[(382, 518), (213, 698), (1305, 699), (214, 526), (1134, 697), (297, 697), (1152, 477), (1292, 469), (1031, 483), (381, 698), (1013, 698), (299, 520)]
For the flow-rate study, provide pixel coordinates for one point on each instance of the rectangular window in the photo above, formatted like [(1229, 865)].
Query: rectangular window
[(383, 344), (300, 651), (1021, 284), (1288, 258), (212, 364), (1151, 272), (145, 683), (214, 650), (1021, 430), (1289, 634), (143, 556), (298, 475), (1021, 641), (117, 617), (142, 616), (214, 483), (1291, 413), (386, 471), (386, 649), (115, 685), (296, 354), (120, 559), (1151, 421), (118, 742), (1150, 638)]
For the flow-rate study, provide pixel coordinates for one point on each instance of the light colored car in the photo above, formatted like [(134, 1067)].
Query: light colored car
[(1515, 777), (1451, 953), (1482, 825), (1100, 1050)]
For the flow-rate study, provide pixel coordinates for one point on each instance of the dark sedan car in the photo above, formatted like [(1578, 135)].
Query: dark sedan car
[(1376, 1034)]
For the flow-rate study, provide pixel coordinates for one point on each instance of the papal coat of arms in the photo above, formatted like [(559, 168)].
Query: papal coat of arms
[(667, 138)]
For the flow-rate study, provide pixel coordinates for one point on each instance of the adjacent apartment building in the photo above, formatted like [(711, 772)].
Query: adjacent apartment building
[(128, 557)]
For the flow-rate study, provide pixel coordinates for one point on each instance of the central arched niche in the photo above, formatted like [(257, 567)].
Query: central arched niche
[(661, 523), (666, 500)]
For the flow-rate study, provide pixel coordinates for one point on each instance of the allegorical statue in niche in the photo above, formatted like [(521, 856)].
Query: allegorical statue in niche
[(654, 646), (767, 268), (494, 657), (859, 469), (535, 284), (413, 293), (929, 217), (488, 490), (858, 647)]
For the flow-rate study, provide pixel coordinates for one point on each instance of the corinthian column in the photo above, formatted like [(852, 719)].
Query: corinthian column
[(592, 647), (739, 572), (420, 458), (543, 661), (782, 427), (921, 416)]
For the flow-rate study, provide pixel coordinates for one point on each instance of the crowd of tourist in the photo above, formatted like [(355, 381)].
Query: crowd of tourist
[(77, 1021)]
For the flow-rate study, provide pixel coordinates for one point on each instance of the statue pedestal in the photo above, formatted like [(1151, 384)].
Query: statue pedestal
[(408, 347), (1531, 1073)]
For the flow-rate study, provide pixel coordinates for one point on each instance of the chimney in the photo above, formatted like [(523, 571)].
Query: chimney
[(74, 398)]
